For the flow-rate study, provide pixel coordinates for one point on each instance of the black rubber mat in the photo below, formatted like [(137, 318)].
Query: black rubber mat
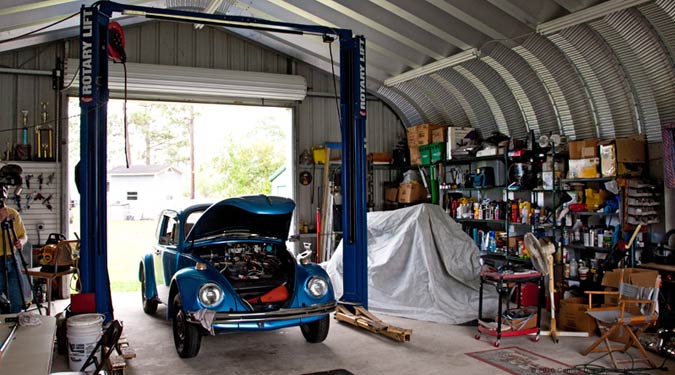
[(331, 372)]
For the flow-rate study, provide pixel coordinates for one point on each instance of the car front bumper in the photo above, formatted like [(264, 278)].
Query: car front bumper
[(260, 320)]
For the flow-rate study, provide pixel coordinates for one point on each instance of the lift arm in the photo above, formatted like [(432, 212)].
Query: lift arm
[(93, 124)]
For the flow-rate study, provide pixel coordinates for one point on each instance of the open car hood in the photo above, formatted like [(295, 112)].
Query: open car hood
[(257, 215)]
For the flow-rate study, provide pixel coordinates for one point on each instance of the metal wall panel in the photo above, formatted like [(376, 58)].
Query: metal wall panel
[(485, 120), (490, 100), (641, 93), (563, 83), (511, 111), (453, 113), (421, 100), (409, 112), (456, 94), (661, 15), (602, 118), (316, 117), (26, 92), (526, 86), (654, 59), (605, 78)]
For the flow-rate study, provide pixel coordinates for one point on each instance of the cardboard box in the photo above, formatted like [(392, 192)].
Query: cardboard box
[(635, 276), (439, 134), (529, 319), (415, 157), (583, 168), (623, 157), (572, 316), (457, 139), (411, 192), (391, 194), (424, 133), (411, 134), (584, 149)]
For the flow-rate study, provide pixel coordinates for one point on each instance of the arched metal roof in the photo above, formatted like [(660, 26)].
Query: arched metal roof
[(583, 68)]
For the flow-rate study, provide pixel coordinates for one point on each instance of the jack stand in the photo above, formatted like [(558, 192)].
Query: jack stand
[(362, 318)]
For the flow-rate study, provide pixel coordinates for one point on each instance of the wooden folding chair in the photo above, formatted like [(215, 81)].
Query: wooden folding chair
[(637, 310)]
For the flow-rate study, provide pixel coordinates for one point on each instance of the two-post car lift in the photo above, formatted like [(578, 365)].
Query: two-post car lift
[(94, 24)]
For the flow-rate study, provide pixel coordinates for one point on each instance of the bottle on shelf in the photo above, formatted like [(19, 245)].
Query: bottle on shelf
[(573, 268), (576, 229), (591, 237)]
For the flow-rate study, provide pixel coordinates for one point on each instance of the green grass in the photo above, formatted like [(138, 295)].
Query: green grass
[(128, 241)]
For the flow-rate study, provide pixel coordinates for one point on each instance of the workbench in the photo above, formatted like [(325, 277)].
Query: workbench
[(504, 282), (30, 352)]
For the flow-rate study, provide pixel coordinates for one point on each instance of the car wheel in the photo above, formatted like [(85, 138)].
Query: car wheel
[(186, 336), (149, 305), (316, 331)]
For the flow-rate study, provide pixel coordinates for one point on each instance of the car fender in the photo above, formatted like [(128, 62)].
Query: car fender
[(150, 286), (302, 275), (189, 280)]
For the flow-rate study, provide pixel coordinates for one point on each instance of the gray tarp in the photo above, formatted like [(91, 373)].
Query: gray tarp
[(421, 265)]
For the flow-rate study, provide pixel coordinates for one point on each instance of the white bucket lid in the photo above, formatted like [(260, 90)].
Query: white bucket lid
[(85, 320)]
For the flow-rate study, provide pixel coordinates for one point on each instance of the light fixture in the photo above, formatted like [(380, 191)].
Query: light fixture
[(433, 67), (150, 79), (587, 15)]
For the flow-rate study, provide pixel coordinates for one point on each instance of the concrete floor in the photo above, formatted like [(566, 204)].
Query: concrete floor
[(433, 349)]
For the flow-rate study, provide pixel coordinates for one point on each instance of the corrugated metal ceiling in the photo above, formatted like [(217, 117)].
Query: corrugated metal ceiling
[(612, 76)]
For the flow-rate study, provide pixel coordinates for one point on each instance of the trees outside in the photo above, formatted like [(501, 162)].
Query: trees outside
[(245, 164), (161, 133)]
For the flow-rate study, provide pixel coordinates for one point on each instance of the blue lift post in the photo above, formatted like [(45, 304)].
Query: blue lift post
[(93, 125)]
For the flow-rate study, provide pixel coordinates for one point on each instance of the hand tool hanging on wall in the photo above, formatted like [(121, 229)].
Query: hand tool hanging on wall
[(28, 178), (50, 178), (29, 197), (40, 180), (47, 202), (17, 199)]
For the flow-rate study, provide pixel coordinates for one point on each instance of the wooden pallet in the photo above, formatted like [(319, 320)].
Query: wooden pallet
[(365, 319), (117, 363)]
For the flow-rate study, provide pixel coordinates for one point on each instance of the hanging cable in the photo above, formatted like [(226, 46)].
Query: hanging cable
[(38, 30), (126, 125), (330, 40)]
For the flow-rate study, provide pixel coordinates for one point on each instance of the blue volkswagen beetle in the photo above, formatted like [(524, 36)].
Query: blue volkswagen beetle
[(225, 267)]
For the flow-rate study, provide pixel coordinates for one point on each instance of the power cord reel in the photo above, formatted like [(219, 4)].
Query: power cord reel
[(116, 42)]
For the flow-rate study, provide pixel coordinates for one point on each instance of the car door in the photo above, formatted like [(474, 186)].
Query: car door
[(164, 254)]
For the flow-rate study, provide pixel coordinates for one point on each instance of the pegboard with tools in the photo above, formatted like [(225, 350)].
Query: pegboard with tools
[(39, 199)]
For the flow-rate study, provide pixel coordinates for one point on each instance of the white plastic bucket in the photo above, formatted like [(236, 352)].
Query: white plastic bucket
[(83, 332)]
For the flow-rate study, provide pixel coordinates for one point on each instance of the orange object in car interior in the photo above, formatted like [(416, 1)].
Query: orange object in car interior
[(278, 294)]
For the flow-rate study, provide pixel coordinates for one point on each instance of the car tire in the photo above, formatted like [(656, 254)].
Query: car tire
[(186, 336), (149, 305), (316, 331)]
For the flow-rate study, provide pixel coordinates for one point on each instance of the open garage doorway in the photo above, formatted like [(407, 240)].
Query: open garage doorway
[(179, 153)]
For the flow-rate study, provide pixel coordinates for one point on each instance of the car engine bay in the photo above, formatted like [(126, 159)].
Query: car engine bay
[(252, 268)]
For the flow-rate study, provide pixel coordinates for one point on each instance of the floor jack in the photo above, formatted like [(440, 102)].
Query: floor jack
[(363, 318)]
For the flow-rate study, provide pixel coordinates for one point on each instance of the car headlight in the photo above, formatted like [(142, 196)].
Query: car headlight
[(210, 294), (317, 287)]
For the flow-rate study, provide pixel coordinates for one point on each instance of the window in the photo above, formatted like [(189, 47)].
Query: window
[(132, 195)]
